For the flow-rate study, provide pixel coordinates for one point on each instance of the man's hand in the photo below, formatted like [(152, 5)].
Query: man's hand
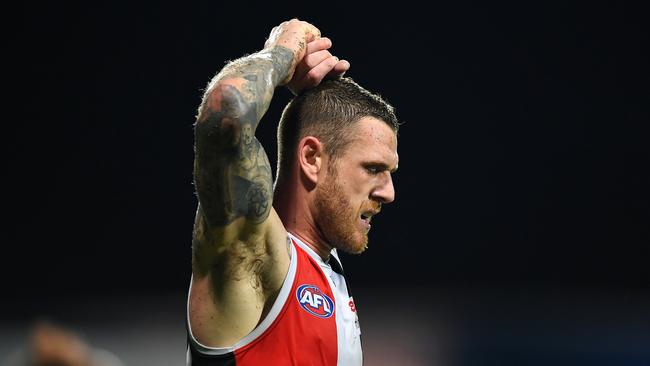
[(294, 35), (317, 64), (312, 62)]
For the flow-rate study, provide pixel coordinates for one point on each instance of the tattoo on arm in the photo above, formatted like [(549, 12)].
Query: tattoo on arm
[(232, 173)]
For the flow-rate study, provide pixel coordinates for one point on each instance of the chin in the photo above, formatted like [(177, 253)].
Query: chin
[(356, 244)]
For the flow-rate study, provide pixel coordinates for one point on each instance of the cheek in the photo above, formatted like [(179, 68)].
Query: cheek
[(351, 188), (355, 184), (358, 193)]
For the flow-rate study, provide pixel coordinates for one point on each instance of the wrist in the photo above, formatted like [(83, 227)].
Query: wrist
[(284, 63)]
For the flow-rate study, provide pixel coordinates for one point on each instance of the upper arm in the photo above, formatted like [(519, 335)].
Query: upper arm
[(238, 240), (232, 173), (239, 247)]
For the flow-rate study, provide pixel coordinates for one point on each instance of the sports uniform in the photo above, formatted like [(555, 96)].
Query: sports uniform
[(313, 321)]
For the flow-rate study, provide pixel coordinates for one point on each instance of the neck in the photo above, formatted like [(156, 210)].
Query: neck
[(294, 203)]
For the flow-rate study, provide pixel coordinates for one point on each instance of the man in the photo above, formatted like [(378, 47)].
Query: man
[(267, 286)]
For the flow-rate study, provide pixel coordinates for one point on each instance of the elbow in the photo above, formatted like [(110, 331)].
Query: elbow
[(221, 117), (217, 133)]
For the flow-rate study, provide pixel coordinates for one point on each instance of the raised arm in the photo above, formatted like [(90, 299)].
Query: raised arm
[(231, 171), (239, 243)]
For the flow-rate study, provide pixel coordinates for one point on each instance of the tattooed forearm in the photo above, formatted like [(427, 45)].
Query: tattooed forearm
[(232, 173), (261, 73)]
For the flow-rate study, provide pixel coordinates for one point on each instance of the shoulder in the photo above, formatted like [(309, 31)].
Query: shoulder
[(229, 295)]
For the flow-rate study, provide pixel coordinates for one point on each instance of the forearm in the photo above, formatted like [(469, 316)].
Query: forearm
[(252, 80)]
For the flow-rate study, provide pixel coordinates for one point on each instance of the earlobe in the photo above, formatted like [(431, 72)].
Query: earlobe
[(310, 157)]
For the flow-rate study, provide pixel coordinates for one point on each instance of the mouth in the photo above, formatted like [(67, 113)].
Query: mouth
[(366, 217)]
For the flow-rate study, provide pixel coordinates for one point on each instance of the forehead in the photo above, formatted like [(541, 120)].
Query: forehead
[(373, 139)]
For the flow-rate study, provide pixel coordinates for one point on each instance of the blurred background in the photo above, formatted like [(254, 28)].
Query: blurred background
[(521, 230)]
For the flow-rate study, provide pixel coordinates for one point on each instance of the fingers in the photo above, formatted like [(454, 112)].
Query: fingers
[(317, 64), (316, 58), (318, 45), (340, 68), (317, 73), (329, 67), (317, 53), (314, 55), (310, 61)]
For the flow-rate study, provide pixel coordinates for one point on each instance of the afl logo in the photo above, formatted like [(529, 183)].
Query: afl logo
[(312, 299)]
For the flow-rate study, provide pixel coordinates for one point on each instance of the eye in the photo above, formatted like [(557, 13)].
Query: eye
[(373, 169)]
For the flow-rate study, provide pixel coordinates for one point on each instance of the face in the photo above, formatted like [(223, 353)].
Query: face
[(356, 185), (247, 132)]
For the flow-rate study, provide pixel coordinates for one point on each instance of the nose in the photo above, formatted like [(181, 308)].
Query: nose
[(384, 191)]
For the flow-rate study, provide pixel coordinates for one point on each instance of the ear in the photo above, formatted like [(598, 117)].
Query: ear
[(310, 157)]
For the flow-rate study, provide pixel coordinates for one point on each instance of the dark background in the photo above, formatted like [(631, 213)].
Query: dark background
[(523, 155)]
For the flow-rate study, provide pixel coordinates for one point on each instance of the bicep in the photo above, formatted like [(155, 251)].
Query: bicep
[(235, 200), (232, 173), (237, 185)]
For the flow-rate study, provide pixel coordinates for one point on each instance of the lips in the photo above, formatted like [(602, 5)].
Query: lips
[(370, 212), (366, 217)]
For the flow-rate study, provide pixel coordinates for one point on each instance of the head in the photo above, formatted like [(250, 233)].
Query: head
[(343, 140), (247, 133)]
